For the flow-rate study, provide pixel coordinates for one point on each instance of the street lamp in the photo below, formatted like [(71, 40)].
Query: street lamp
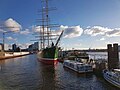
[(4, 39), (5, 33)]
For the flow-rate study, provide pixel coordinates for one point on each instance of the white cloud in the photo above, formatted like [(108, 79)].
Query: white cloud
[(97, 30), (23, 46), (12, 25), (102, 39), (11, 39), (38, 29), (71, 32), (25, 32), (113, 33)]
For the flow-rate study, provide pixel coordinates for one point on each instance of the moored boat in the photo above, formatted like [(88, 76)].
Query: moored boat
[(112, 76), (49, 52), (77, 66), (49, 55)]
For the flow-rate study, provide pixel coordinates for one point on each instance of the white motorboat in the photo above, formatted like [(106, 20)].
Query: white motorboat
[(112, 76), (77, 66)]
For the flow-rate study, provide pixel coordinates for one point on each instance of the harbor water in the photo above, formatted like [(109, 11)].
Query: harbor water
[(27, 73), (99, 55)]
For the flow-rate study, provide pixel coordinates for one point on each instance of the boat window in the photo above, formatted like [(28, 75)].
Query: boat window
[(110, 75), (81, 68)]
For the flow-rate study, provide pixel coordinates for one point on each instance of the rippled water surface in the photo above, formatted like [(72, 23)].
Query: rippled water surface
[(26, 73)]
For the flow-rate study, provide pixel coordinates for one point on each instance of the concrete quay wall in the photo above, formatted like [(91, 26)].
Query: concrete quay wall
[(8, 55)]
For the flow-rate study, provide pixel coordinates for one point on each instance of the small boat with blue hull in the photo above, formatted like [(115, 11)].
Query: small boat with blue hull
[(77, 66), (112, 76)]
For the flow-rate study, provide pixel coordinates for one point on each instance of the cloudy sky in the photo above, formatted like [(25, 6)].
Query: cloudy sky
[(86, 23)]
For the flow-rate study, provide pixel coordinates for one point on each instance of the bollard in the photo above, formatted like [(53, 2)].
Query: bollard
[(113, 56)]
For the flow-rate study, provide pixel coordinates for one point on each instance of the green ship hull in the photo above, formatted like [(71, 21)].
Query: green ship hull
[(49, 55)]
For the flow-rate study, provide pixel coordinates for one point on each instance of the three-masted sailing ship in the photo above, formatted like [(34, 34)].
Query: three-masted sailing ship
[(48, 53)]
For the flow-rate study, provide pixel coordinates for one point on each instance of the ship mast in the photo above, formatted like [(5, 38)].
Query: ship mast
[(45, 31), (47, 21), (44, 27)]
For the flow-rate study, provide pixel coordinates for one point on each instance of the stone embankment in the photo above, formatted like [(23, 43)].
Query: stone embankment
[(8, 55)]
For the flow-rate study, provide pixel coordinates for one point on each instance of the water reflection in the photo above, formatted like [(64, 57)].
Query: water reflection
[(26, 73), (48, 77), (87, 82)]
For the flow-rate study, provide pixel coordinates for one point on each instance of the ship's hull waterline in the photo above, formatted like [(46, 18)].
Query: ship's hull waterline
[(48, 56)]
